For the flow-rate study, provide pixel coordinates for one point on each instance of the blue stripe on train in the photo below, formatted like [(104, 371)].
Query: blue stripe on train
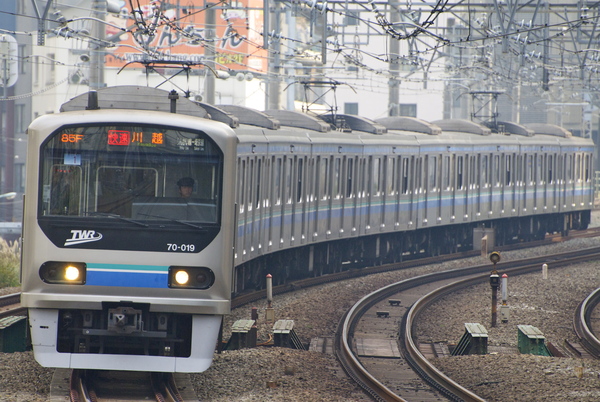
[(122, 275)]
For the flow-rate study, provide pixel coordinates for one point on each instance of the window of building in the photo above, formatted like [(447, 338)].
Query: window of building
[(408, 109), (351, 108)]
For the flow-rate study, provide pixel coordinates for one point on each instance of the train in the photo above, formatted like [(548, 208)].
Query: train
[(122, 270)]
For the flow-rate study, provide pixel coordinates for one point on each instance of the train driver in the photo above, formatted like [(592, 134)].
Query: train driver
[(186, 186)]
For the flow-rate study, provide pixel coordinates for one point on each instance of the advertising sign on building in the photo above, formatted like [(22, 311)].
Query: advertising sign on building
[(175, 30)]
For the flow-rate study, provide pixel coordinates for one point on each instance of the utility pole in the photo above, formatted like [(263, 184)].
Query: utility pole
[(273, 99), (394, 82), (209, 53), (97, 49)]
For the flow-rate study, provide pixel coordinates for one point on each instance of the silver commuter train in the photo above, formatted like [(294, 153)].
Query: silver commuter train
[(119, 271), (314, 200), (298, 199)]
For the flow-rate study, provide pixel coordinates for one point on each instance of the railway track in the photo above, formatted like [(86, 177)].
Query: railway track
[(125, 386), (442, 283), (583, 325), (366, 271)]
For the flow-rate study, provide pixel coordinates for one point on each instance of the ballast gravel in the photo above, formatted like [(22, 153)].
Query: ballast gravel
[(278, 374)]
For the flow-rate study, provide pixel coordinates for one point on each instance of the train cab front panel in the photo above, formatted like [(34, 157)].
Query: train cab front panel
[(125, 264)]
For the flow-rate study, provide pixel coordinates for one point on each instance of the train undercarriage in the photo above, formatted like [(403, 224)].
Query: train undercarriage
[(335, 256)]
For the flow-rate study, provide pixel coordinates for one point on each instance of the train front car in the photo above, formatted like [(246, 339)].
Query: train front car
[(122, 269)]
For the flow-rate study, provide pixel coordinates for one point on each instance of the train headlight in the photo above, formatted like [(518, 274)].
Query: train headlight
[(191, 277), (63, 273)]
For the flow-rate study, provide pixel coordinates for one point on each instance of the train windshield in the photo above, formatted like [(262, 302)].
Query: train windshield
[(136, 172)]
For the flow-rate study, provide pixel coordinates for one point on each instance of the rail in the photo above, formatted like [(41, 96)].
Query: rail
[(581, 324), (411, 351)]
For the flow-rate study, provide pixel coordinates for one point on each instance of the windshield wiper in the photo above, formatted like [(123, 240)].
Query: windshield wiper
[(118, 217), (176, 221)]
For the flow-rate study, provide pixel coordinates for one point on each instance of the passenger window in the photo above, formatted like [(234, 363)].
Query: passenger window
[(405, 174), (300, 178)]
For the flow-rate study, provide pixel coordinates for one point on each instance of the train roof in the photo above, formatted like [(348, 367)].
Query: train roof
[(283, 125)]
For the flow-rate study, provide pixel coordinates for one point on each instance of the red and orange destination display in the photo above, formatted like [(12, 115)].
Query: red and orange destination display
[(126, 137)]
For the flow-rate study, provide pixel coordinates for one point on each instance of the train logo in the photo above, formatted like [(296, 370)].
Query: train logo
[(83, 236)]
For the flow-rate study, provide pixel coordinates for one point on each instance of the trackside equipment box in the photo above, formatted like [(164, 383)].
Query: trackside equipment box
[(13, 334)]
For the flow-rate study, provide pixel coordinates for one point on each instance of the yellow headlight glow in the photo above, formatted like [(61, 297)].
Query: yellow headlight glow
[(72, 273), (191, 277), (63, 273), (182, 277)]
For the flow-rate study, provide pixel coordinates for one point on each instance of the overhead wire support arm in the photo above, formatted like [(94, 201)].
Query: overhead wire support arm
[(41, 40)]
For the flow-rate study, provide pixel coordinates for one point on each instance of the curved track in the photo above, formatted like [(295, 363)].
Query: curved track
[(443, 283), (583, 325)]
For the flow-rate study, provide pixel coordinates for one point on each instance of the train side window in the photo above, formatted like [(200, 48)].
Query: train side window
[(473, 175), (508, 176), (587, 176), (375, 185), (433, 173), (258, 183), (337, 178), (459, 173), (447, 172), (405, 174), (323, 177), (277, 167), (242, 184), (250, 184), (391, 176), (268, 177), (550, 170), (288, 180), (578, 168), (349, 178), (560, 173), (484, 171), (569, 170), (496, 170), (299, 179)]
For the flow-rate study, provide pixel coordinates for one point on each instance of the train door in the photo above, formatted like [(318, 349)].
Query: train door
[(259, 206), (570, 181), (431, 190), (462, 194), (274, 222), (361, 195), (528, 187), (473, 188), (417, 192), (298, 200), (286, 201), (387, 191), (317, 229), (423, 191), (309, 198), (446, 190), (336, 196), (486, 194), (437, 180), (350, 195), (245, 209), (588, 194), (404, 204), (540, 186), (478, 188), (455, 182), (551, 183), (348, 208), (579, 182), (511, 177)]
